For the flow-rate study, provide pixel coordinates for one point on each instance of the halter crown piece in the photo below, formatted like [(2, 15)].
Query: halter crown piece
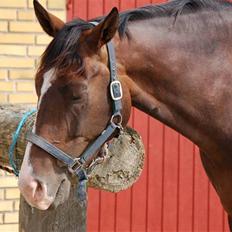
[(78, 166)]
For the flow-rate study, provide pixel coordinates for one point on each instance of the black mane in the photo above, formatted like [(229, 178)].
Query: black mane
[(170, 9), (61, 52)]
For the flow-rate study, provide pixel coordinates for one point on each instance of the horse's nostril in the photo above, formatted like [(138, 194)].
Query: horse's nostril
[(40, 191), (39, 187)]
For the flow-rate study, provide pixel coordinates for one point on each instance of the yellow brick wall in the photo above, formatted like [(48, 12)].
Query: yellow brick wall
[(21, 43)]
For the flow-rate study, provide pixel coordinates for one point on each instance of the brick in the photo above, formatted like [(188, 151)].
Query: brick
[(43, 39), (16, 38), (16, 205), (3, 98), (61, 14), (3, 74), (25, 27), (6, 86), (3, 26), (13, 50), (25, 86), (6, 206), (7, 13), (22, 98), (9, 228), (2, 194), (11, 217), (12, 193), (37, 62), (21, 74), (9, 181), (36, 51), (26, 15), (56, 4), (43, 2), (10, 62), (13, 3)]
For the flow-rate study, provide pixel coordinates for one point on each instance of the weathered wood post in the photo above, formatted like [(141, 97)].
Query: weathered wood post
[(120, 170)]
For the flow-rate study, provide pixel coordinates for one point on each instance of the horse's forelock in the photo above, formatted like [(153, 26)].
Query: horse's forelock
[(61, 54)]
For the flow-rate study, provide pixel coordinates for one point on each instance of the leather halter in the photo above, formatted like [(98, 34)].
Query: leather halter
[(78, 166)]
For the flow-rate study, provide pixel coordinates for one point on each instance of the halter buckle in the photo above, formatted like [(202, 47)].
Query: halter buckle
[(75, 166), (116, 90)]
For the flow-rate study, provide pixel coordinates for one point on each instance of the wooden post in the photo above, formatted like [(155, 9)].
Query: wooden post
[(70, 217), (121, 169)]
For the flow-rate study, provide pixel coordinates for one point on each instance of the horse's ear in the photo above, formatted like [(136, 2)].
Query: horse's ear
[(49, 22), (104, 31)]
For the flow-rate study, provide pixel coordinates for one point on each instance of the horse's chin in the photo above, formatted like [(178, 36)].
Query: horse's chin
[(41, 205), (62, 194)]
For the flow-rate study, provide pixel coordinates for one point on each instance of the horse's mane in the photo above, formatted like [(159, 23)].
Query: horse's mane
[(61, 52), (169, 9)]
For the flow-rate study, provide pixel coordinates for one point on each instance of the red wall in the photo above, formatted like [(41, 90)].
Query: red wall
[(173, 193)]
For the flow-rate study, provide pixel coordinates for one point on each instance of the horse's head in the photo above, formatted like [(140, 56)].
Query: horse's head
[(74, 104)]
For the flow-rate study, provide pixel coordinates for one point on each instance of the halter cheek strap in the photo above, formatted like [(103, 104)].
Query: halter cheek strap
[(78, 166)]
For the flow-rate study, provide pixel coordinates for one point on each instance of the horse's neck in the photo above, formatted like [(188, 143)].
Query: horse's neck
[(162, 84)]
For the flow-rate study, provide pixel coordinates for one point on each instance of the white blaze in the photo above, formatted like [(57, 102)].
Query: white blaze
[(26, 169), (49, 76)]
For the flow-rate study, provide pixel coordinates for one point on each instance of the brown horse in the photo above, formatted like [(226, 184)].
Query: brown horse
[(174, 62)]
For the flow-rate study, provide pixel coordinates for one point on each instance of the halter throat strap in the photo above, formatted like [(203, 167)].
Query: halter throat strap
[(78, 165)]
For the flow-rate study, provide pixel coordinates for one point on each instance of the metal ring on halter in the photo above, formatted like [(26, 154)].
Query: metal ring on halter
[(116, 120)]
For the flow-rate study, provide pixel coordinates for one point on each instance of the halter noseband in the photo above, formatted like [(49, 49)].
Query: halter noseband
[(78, 165)]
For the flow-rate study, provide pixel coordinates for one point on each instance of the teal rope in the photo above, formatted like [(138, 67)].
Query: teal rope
[(15, 137)]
